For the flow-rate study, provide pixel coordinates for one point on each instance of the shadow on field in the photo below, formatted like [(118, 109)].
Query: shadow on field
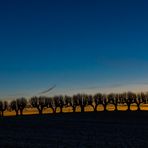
[(76, 130)]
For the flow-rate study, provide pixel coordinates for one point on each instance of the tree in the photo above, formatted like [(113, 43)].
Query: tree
[(14, 106), (79, 100), (68, 101), (18, 105), (98, 98), (22, 102), (39, 103), (82, 101), (105, 102), (88, 101), (49, 103), (131, 98), (122, 98), (75, 102), (141, 98), (58, 102), (3, 107), (113, 99)]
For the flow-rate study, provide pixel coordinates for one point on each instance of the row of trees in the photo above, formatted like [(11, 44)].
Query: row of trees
[(79, 100)]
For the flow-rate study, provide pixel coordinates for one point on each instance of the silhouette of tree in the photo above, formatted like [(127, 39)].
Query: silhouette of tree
[(98, 98), (113, 99), (80, 101), (3, 107), (18, 105), (88, 100), (75, 102), (49, 103), (116, 101), (22, 102), (39, 103), (131, 98), (105, 102), (14, 106), (68, 101), (145, 100), (58, 102), (141, 99), (122, 98)]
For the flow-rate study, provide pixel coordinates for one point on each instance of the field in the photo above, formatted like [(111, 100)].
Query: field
[(76, 130)]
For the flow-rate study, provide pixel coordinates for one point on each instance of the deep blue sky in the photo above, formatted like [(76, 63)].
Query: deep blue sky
[(79, 45)]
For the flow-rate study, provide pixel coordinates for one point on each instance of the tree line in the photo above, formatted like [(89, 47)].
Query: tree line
[(79, 100)]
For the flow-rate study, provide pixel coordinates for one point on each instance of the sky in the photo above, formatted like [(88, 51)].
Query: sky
[(81, 46)]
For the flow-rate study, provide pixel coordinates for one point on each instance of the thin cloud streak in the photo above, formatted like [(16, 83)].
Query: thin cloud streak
[(48, 90)]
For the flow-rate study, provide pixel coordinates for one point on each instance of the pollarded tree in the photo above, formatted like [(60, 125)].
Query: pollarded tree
[(122, 98), (39, 103), (14, 107), (78, 100), (144, 98), (18, 105), (75, 102), (21, 103), (105, 102), (82, 101), (98, 98), (68, 101), (88, 100), (58, 102), (49, 103), (3, 107), (113, 99), (141, 99), (131, 98)]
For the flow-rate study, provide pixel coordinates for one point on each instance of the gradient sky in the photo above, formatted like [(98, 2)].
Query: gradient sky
[(79, 45)]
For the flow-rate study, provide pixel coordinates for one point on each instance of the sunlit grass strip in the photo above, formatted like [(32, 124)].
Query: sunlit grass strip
[(33, 111)]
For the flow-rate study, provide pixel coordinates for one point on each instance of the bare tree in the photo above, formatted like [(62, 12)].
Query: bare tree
[(22, 102), (18, 105), (14, 106), (49, 103), (113, 99), (88, 100), (141, 99), (98, 98), (3, 107), (58, 102), (131, 98), (39, 103), (78, 100), (122, 98), (68, 101)]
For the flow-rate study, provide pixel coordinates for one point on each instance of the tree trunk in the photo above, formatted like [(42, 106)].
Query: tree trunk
[(138, 105), (61, 109), (74, 109), (40, 111), (16, 112), (82, 108), (95, 108), (21, 112), (128, 105), (2, 113), (105, 105), (54, 110), (92, 107), (116, 107)]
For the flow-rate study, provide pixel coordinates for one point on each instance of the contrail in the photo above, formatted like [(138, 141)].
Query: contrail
[(48, 90)]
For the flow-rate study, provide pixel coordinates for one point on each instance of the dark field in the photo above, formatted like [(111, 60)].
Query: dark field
[(79, 130)]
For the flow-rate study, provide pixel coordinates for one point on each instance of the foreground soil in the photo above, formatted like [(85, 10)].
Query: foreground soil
[(80, 130)]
